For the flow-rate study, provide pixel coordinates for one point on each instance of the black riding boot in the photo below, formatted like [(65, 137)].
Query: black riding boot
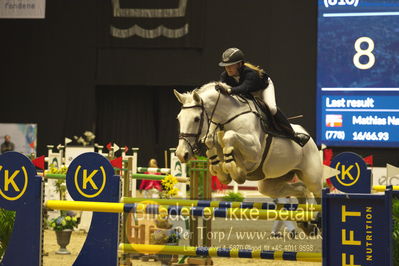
[(285, 127)]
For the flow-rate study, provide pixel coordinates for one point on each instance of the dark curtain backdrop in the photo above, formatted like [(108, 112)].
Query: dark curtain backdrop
[(52, 69), (138, 116)]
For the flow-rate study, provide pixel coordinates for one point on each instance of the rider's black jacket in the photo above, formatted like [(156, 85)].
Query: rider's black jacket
[(248, 82)]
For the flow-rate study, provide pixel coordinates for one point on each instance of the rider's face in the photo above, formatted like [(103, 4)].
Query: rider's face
[(232, 70)]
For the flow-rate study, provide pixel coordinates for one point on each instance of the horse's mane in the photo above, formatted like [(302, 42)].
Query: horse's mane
[(206, 87)]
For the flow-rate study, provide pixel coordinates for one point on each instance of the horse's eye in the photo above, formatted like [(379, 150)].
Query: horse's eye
[(197, 119)]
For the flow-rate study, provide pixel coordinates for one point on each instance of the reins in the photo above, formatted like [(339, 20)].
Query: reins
[(195, 147)]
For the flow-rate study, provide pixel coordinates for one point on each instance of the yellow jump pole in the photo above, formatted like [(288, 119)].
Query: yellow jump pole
[(84, 206), (383, 188)]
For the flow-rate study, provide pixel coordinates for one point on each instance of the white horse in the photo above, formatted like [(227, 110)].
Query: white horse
[(239, 149)]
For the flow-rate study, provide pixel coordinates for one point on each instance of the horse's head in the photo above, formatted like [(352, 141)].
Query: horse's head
[(193, 124)]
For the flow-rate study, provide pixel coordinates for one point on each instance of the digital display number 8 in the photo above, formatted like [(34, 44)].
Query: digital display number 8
[(361, 52)]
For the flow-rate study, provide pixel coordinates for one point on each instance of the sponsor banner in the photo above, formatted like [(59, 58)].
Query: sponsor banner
[(359, 229), (22, 8)]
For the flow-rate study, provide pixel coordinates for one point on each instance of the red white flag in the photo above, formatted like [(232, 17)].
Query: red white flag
[(117, 162), (368, 160), (39, 162), (109, 146)]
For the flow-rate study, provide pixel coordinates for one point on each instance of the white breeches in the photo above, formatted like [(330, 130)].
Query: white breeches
[(269, 97)]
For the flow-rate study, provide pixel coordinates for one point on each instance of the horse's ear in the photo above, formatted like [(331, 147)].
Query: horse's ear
[(196, 97), (179, 96)]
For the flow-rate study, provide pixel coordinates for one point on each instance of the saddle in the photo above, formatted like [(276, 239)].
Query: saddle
[(267, 120)]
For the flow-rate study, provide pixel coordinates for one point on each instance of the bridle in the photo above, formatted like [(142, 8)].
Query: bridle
[(197, 141), (184, 135)]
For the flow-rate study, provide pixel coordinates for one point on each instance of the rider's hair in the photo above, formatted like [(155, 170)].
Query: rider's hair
[(258, 69)]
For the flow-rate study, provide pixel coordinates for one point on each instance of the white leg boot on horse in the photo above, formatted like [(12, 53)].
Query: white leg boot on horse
[(215, 166), (215, 154)]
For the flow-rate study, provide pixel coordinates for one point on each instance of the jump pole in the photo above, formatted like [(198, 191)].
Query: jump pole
[(383, 188), (159, 177), (153, 170)]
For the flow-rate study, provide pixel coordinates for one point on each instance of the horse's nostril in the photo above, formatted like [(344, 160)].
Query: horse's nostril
[(186, 156)]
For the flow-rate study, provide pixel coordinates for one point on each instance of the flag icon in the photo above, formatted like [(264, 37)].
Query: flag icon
[(333, 120)]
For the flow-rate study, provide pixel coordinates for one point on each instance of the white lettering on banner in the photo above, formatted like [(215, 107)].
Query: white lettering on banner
[(368, 120), (369, 102), (375, 120), (335, 103), (392, 120), (354, 103)]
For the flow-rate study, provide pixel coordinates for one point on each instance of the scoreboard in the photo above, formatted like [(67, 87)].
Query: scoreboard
[(358, 73)]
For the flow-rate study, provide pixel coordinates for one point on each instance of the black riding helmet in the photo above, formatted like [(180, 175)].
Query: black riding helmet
[(231, 56)]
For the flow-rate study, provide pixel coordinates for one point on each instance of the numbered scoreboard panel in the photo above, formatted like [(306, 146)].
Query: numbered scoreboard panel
[(358, 73)]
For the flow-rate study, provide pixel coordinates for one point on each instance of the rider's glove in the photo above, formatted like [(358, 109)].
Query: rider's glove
[(224, 88)]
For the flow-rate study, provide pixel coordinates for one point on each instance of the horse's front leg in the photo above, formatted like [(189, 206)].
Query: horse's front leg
[(216, 164), (244, 148), (215, 155)]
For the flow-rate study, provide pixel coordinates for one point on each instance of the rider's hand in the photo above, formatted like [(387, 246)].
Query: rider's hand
[(224, 88)]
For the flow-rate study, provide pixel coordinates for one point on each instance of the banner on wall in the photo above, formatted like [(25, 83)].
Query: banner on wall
[(24, 136), (151, 23), (22, 9)]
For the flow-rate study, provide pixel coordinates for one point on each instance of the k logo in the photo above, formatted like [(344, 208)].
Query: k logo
[(85, 184), (14, 176), (354, 176), (88, 177)]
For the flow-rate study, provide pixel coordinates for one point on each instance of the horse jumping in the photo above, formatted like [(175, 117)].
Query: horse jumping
[(240, 150)]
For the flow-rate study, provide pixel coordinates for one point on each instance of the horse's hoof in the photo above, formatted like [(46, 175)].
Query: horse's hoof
[(239, 178), (224, 179), (240, 181)]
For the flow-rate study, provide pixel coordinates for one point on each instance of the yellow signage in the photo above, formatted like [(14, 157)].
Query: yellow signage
[(87, 181), (10, 185), (346, 178)]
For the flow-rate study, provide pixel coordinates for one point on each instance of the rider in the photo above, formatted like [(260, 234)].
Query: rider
[(248, 80)]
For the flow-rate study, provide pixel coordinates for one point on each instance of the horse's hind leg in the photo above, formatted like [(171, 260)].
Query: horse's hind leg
[(311, 170), (278, 188), (313, 183), (312, 179)]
